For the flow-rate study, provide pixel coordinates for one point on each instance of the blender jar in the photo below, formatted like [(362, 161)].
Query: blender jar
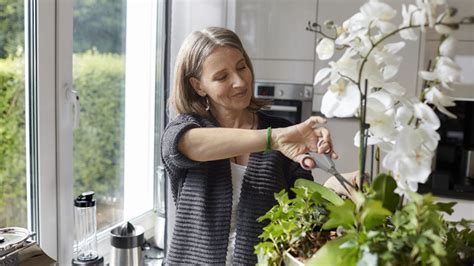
[(85, 231)]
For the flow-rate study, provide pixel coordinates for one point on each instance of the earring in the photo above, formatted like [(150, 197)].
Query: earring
[(208, 107)]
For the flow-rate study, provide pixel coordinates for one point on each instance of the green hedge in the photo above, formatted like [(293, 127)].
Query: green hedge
[(98, 149), (12, 144)]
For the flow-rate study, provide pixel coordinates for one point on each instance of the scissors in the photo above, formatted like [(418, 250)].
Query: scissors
[(325, 163)]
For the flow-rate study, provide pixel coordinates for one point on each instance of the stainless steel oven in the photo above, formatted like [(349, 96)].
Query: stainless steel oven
[(293, 101)]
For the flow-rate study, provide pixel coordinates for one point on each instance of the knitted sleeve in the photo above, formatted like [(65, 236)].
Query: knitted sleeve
[(176, 163)]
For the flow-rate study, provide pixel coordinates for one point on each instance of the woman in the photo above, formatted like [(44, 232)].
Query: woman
[(224, 158)]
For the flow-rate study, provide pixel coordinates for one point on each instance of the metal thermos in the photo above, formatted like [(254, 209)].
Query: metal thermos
[(126, 242), (85, 231)]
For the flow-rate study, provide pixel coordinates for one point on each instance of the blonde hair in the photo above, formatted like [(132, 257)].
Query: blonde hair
[(191, 56)]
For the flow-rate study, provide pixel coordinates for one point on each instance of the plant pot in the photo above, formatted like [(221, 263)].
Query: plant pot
[(290, 260)]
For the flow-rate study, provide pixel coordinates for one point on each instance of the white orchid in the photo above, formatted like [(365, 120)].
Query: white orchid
[(426, 115), (404, 128), (440, 100), (443, 19), (446, 71), (346, 67), (447, 47), (379, 14), (380, 114), (341, 100), (325, 49), (410, 160), (386, 57), (411, 16), (428, 10)]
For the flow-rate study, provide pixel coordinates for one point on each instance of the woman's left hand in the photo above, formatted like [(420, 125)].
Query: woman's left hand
[(335, 185)]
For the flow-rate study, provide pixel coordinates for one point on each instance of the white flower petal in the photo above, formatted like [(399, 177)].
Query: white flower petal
[(430, 137), (394, 48), (325, 49), (447, 47), (371, 140), (382, 97), (322, 73), (389, 71), (403, 116), (427, 115), (373, 74), (408, 34), (438, 98), (394, 88), (341, 104), (378, 10), (445, 111), (427, 75), (385, 27), (329, 103)]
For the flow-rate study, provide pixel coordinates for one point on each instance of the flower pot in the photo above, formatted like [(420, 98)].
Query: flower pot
[(290, 260)]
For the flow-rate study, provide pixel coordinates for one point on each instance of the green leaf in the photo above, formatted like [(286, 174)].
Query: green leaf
[(446, 207), (342, 215), (326, 193), (384, 186), (332, 253), (373, 214)]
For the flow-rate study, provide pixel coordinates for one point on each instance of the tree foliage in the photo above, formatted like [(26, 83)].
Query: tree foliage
[(12, 144), (99, 24), (11, 27), (98, 149)]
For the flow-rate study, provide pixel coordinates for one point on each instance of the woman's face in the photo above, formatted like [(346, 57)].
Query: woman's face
[(226, 80)]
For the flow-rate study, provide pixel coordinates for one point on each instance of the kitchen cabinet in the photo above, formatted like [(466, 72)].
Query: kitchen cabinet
[(188, 16), (273, 33)]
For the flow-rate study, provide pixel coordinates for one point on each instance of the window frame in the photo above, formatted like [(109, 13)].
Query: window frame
[(53, 70)]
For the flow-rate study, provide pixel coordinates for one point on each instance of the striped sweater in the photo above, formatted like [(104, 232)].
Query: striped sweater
[(202, 192)]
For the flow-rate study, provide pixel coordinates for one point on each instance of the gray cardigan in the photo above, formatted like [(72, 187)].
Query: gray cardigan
[(203, 196)]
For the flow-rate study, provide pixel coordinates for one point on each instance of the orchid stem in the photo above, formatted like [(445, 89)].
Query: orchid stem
[(363, 134)]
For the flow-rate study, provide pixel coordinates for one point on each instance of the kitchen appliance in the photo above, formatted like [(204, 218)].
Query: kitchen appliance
[(453, 168), (12, 241), (85, 225), (292, 101), (127, 241)]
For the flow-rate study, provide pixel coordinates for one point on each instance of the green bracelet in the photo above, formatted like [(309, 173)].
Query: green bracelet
[(268, 147)]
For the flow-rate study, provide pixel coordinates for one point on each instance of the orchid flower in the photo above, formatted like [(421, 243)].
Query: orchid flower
[(325, 49), (379, 14), (446, 71), (410, 160), (341, 100), (447, 47), (404, 128), (440, 100), (411, 16)]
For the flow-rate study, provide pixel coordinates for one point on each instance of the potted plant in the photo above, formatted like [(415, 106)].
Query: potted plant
[(385, 222)]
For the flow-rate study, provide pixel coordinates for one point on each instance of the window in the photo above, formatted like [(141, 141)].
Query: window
[(13, 182), (87, 97), (99, 79), (114, 75)]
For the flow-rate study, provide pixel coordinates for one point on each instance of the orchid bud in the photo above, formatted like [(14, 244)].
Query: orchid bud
[(329, 24)]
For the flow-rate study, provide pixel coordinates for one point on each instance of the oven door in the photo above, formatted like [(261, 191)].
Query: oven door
[(288, 109)]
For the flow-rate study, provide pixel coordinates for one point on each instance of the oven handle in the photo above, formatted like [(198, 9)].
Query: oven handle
[(283, 108)]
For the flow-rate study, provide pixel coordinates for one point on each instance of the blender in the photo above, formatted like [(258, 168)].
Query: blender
[(85, 231)]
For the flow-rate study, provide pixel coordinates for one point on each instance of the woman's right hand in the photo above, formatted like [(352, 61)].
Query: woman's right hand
[(295, 141)]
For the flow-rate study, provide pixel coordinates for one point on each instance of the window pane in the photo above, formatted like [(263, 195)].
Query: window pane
[(111, 143), (13, 201)]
